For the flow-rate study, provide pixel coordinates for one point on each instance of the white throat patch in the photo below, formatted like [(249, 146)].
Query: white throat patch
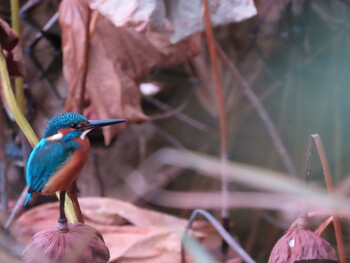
[(83, 135), (54, 138)]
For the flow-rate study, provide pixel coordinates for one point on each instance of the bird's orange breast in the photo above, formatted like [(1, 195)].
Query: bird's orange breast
[(69, 171)]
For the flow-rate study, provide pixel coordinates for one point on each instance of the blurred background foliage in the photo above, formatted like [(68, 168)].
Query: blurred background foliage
[(293, 54)]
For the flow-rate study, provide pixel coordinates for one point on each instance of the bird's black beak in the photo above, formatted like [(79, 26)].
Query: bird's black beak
[(101, 123)]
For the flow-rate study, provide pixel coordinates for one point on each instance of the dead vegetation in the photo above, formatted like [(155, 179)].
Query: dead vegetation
[(220, 117)]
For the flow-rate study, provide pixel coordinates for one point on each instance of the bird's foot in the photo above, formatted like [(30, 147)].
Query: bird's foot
[(62, 225)]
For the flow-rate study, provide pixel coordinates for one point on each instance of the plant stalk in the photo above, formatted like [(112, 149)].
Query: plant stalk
[(221, 109), (330, 189), (16, 25)]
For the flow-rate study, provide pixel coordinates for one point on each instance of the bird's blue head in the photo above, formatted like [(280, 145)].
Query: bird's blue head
[(71, 121), (67, 120)]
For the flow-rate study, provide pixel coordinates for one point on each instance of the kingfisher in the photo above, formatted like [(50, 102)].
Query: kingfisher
[(58, 158)]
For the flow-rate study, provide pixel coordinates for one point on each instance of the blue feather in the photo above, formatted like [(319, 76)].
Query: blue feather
[(46, 159), (30, 160), (29, 196)]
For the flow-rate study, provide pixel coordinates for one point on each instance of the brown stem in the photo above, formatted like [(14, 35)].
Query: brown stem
[(72, 192), (322, 227), (220, 106), (330, 189)]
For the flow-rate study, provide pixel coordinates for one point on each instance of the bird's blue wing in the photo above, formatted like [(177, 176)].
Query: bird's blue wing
[(46, 158)]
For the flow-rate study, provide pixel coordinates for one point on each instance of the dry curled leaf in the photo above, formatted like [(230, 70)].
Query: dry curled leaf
[(132, 234), (118, 59), (181, 18)]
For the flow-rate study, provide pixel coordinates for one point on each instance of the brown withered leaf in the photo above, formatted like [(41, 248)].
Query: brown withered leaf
[(181, 18), (132, 234), (8, 37), (10, 43), (119, 58)]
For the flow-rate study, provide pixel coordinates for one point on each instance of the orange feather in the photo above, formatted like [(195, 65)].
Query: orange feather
[(69, 172)]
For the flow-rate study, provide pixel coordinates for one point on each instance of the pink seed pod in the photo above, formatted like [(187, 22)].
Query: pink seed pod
[(79, 243), (302, 245)]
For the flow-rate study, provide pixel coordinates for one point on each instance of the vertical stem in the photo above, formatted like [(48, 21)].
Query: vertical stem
[(15, 21), (222, 121), (308, 161), (62, 218), (15, 15), (221, 108), (72, 192), (330, 189), (3, 177)]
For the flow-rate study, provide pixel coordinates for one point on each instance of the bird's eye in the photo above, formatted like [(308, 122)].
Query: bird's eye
[(74, 125)]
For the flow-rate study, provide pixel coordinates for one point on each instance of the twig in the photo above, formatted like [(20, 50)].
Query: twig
[(3, 177), (271, 129), (330, 189), (3, 182), (39, 35), (29, 5), (181, 116), (307, 172), (222, 118), (17, 28), (168, 114), (316, 213), (324, 225), (308, 161), (17, 209), (232, 243)]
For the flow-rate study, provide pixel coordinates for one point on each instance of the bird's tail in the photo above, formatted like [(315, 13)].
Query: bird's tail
[(29, 196)]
